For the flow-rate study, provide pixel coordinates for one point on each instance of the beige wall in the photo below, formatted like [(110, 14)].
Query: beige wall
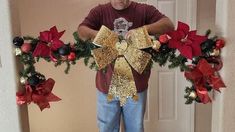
[(206, 15), (76, 111)]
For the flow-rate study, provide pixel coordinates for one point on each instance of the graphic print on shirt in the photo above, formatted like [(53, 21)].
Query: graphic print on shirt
[(121, 26)]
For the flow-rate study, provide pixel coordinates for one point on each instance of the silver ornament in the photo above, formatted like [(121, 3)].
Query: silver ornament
[(23, 80), (192, 95), (18, 51), (215, 52), (26, 66)]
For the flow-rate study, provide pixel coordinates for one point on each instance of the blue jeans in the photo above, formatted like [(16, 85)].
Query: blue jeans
[(109, 113)]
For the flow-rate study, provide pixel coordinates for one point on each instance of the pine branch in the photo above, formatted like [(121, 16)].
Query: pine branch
[(67, 67)]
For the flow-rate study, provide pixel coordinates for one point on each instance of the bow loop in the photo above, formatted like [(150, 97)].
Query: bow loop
[(140, 38)]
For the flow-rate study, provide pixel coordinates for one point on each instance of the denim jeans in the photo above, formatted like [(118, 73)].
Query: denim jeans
[(109, 113)]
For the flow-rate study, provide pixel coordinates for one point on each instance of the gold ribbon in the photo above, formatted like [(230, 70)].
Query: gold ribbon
[(125, 54)]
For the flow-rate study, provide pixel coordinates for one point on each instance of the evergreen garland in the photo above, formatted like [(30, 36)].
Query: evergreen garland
[(82, 50)]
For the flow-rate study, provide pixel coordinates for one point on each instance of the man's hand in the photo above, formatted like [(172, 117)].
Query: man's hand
[(160, 27), (128, 34), (86, 33)]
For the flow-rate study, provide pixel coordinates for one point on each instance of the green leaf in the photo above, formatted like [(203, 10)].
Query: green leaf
[(75, 35), (67, 67), (86, 60)]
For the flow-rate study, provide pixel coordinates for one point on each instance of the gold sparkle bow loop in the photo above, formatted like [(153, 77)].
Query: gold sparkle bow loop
[(126, 54)]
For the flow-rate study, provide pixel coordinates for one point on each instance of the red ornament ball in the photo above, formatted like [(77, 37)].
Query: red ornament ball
[(26, 47), (72, 56), (163, 38), (219, 44)]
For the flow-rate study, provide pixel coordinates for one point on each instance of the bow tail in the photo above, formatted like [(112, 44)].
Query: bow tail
[(122, 83)]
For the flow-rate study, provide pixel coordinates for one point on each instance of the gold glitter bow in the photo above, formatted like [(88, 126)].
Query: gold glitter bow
[(125, 54)]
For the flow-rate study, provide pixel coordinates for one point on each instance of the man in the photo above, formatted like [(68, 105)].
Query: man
[(122, 16)]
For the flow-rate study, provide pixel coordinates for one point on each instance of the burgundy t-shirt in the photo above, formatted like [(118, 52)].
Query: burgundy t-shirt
[(120, 21)]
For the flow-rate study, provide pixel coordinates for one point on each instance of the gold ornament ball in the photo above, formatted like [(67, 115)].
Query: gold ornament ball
[(193, 95), (156, 45), (26, 66), (215, 52), (23, 80), (18, 51)]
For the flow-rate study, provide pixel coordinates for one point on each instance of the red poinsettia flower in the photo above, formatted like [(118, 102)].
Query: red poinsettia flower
[(49, 42), (187, 42), (200, 75), (42, 95)]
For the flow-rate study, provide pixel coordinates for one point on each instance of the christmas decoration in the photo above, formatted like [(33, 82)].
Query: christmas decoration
[(72, 56), (33, 80), (49, 41), (164, 38), (26, 47), (215, 52), (23, 80), (122, 83), (18, 52), (187, 42), (41, 95), (64, 50), (193, 95), (201, 75), (219, 44), (196, 55), (18, 41), (156, 45)]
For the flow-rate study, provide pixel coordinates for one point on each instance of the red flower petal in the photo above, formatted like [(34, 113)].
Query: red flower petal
[(196, 49), (197, 38), (52, 98), (186, 51), (192, 33), (45, 36), (43, 105), (203, 94), (38, 98), (174, 44), (41, 50), (48, 85), (217, 83), (20, 98), (194, 75), (55, 33), (176, 35), (56, 44), (205, 68), (183, 27)]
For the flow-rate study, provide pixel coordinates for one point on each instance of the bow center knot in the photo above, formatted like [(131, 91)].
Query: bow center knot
[(121, 47)]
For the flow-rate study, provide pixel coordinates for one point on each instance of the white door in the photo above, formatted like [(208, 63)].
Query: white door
[(166, 111)]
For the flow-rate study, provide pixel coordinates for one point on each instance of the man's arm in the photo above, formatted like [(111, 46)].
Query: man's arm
[(160, 27), (86, 33)]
